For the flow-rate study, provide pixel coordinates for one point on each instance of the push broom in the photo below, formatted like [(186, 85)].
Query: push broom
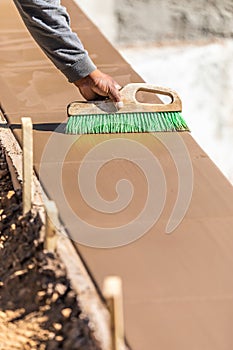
[(104, 117)]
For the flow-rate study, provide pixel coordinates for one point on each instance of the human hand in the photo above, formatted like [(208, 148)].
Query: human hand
[(98, 84)]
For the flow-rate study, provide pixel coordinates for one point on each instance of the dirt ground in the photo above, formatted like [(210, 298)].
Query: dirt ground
[(38, 308)]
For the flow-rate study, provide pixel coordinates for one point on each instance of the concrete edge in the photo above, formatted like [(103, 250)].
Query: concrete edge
[(88, 296)]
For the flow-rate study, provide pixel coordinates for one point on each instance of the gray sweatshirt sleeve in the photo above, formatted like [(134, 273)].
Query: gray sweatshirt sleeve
[(49, 24)]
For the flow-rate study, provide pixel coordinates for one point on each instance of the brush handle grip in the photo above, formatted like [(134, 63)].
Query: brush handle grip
[(130, 103), (128, 94)]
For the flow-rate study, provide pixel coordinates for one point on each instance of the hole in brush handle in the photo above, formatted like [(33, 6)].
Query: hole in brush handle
[(149, 97), (139, 94)]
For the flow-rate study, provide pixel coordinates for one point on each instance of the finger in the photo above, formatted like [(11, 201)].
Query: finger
[(110, 91), (117, 86), (114, 94), (88, 93), (100, 90)]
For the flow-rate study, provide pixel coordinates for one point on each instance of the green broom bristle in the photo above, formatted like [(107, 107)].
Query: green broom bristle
[(126, 123)]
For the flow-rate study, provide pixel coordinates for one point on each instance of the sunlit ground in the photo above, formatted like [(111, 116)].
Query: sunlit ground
[(203, 76)]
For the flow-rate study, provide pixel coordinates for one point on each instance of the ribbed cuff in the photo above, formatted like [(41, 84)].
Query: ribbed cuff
[(80, 69)]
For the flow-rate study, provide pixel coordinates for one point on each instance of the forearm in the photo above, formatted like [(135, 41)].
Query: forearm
[(48, 23)]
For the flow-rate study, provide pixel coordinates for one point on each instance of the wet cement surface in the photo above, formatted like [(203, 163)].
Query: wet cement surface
[(178, 289)]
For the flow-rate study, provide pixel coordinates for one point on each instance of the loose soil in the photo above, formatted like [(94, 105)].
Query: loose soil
[(38, 308)]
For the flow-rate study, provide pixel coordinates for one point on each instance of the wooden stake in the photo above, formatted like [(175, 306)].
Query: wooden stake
[(112, 291), (51, 226), (27, 163)]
